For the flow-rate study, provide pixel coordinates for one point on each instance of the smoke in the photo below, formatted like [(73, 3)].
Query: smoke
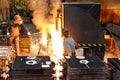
[(44, 13)]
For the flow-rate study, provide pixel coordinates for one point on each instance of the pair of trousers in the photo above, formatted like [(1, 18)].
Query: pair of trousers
[(14, 42)]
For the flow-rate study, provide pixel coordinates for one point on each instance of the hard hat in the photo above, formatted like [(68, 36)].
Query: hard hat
[(64, 30), (17, 17)]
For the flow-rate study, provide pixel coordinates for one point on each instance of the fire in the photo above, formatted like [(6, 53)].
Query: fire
[(48, 22), (53, 41), (57, 40), (58, 72), (44, 39)]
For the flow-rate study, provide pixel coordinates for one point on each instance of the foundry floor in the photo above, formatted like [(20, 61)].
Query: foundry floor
[(108, 52)]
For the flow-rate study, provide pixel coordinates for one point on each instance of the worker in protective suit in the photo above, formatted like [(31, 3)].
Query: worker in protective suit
[(14, 29), (69, 43)]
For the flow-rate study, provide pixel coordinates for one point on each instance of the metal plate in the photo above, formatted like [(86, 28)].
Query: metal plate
[(83, 27)]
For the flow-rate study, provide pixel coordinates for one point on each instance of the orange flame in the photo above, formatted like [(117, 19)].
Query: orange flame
[(58, 72), (44, 18), (57, 40)]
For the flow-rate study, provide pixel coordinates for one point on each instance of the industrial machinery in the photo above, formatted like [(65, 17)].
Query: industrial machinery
[(6, 57), (115, 69), (86, 68), (82, 20), (31, 68), (3, 34)]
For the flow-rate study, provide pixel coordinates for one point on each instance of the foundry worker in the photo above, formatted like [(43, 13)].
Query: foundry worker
[(69, 43), (14, 28)]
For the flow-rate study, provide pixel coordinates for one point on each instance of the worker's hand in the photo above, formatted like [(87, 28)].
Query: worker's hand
[(28, 33), (76, 46), (8, 33)]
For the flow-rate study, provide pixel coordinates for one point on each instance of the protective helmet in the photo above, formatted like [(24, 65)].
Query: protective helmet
[(17, 17), (64, 30)]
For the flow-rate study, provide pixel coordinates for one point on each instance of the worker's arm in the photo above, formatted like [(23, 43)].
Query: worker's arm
[(23, 30)]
